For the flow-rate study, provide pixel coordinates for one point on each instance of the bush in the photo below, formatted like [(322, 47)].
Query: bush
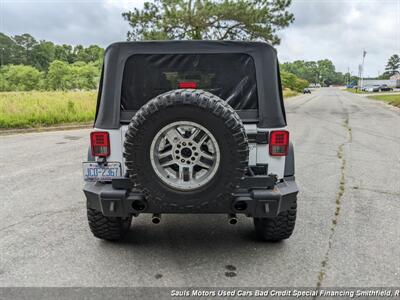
[(293, 82), (79, 75), (19, 78), (57, 76), (83, 76)]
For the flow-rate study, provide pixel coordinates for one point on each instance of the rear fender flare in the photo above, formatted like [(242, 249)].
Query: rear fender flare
[(90, 157), (289, 161)]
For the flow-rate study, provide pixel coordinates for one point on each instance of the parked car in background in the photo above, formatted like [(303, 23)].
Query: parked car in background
[(306, 91), (314, 85), (372, 88), (385, 88)]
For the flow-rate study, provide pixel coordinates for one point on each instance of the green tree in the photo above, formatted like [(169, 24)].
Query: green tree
[(209, 19), (26, 43), (58, 76), (9, 50), (20, 78), (64, 53), (393, 65), (89, 54), (78, 52), (322, 71), (307, 70), (83, 76), (42, 55)]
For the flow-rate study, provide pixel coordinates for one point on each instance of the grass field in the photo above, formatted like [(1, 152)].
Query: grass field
[(390, 99), (41, 109), (37, 109)]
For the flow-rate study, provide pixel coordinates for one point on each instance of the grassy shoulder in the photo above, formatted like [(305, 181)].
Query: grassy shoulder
[(41, 109), (46, 109), (390, 99), (355, 91), (287, 93)]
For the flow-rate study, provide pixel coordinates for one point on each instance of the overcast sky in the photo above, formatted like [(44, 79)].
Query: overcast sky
[(334, 29)]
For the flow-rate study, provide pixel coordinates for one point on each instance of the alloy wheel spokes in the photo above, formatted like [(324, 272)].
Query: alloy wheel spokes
[(185, 155)]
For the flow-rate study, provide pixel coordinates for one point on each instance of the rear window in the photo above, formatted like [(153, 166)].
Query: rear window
[(230, 76)]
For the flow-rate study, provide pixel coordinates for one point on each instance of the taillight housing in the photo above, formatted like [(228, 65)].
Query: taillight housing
[(187, 85), (278, 143), (100, 143)]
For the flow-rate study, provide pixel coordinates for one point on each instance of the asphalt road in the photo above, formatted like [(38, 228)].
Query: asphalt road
[(347, 233)]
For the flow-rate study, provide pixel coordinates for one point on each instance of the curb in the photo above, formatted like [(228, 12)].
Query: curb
[(45, 129)]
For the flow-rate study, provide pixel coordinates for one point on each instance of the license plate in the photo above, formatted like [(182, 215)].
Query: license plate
[(92, 171)]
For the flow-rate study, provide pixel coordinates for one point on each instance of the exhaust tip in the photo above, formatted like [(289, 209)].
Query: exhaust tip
[(138, 205), (156, 219)]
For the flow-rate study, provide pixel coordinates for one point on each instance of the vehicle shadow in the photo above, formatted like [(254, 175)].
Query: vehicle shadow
[(201, 235)]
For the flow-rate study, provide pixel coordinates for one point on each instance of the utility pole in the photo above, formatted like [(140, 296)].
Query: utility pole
[(362, 68)]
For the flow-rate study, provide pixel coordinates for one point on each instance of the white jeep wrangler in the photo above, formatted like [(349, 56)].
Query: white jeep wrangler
[(190, 127)]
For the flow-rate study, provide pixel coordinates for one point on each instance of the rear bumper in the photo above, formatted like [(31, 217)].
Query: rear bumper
[(258, 196)]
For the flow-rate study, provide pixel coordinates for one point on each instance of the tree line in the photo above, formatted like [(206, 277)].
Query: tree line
[(28, 64), (319, 72)]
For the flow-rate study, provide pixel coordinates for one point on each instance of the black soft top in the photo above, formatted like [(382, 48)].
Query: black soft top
[(270, 113)]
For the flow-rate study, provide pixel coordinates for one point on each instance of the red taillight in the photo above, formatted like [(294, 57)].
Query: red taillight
[(187, 85), (100, 143), (278, 143)]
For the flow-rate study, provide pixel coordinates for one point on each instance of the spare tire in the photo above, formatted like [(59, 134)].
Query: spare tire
[(186, 149)]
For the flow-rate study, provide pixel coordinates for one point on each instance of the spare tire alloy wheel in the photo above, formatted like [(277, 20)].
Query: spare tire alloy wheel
[(185, 155), (186, 149)]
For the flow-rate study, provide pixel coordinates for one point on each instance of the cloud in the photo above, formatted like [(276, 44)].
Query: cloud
[(338, 30), (72, 22)]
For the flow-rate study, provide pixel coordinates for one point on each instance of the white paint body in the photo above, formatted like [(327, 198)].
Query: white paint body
[(258, 153)]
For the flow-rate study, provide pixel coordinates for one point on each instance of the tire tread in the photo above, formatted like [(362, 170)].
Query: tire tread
[(106, 228), (278, 228)]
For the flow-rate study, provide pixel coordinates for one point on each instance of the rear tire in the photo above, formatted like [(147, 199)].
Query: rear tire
[(279, 228), (107, 228), (218, 120)]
